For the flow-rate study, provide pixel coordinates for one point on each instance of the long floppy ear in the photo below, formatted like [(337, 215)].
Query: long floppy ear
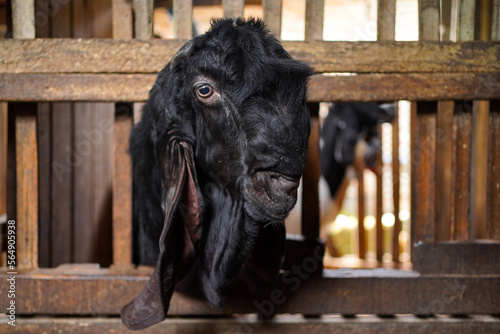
[(179, 241), (181, 234)]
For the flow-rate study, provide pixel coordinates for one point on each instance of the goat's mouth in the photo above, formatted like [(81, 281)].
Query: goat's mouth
[(269, 196)]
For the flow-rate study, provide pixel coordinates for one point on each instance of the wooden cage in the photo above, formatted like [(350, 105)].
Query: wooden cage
[(455, 282)]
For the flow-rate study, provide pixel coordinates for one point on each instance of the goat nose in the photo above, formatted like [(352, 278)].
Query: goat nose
[(288, 185)]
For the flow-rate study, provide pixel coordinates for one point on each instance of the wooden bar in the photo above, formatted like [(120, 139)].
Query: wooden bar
[(123, 26), (429, 16), (310, 179), (386, 20), (444, 169), (315, 11), (379, 210), (457, 258), (362, 242), (233, 8), (27, 185), (183, 19), (396, 182), (331, 324), (112, 56), (377, 291), (23, 19), (143, 19), (273, 16), (494, 172), (466, 19), (122, 187), (461, 183)]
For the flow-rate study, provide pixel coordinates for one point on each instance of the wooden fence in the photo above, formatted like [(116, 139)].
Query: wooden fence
[(455, 178)]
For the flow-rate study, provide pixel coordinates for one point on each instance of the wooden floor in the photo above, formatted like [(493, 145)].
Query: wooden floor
[(251, 324)]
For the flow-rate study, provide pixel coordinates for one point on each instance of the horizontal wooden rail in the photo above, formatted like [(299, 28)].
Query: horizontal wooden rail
[(331, 324), (150, 56), (362, 87), (379, 291)]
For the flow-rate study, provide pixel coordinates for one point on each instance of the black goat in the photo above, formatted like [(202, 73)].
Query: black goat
[(217, 160)]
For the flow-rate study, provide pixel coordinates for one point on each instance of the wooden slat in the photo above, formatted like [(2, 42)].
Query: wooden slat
[(444, 170), (143, 18), (44, 172), (379, 245), (111, 56), (23, 19), (273, 16), (477, 258), (331, 324), (310, 180), (233, 8), (122, 187), (386, 20), (315, 11), (466, 19), (379, 291), (494, 172), (428, 11), (123, 27), (396, 183), (362, 242), (363, 87), (183, 19), (461, 184), (424, 161), (27, 185)]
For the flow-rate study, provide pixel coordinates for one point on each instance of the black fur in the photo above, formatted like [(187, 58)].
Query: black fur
[(249, 142)]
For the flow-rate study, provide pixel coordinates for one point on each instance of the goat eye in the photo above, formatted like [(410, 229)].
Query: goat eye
[(205, 91)]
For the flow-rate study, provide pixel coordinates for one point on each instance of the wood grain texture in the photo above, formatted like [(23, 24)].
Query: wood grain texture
[(272, 16), (183, 19), (123, 26), (315, 12), (143, 18), (23, 19), (112, 56)]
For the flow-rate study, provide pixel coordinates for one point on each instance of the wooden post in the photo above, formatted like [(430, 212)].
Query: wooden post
[(143, 18), (23, 19), (183, 19), (315, 10), (233, 8), (123, 27), (272, 16)]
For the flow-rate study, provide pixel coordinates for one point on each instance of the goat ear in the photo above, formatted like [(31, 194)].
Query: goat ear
[(181, 54), (179, 240)]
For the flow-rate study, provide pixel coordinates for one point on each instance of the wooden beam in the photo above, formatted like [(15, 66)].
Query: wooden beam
[(378, 291), (123, 27), (455, 258), (315, 12), (23, 19), (330, 324), (272, 16), (183, 19), (233, 8), (143, 19), (112, 56)]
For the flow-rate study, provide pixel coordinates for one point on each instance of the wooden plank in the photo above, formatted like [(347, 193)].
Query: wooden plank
[(362, 242), (122, 187), (466, 19), (183, 19), (461, 183), (386, 20), (424, 161), (494, 172), (310, 179), (123, 27), (379, 231), (112, 56), (377, 291), (444, 164), (456, 258), (362, 87), (396, 185), (331, 324), (143, 18), (315, 12), (272, 16), (27, 185), (428, 11), (233, 8), (23, 19)]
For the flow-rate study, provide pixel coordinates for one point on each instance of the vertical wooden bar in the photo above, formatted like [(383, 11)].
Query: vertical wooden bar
[(183, 19), (461, 185), (396, 188), (315, 10), (494, 173), (310, 193), (386, 31), (122, 187), (424, 161), (123, 26), (23, 19), (444, 170), (495, 26), (23, 26), (143, 18), (27, 185), (362, 244), (233, 8), (414, 147), (466, 19), (479, 161), (272, 16)]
